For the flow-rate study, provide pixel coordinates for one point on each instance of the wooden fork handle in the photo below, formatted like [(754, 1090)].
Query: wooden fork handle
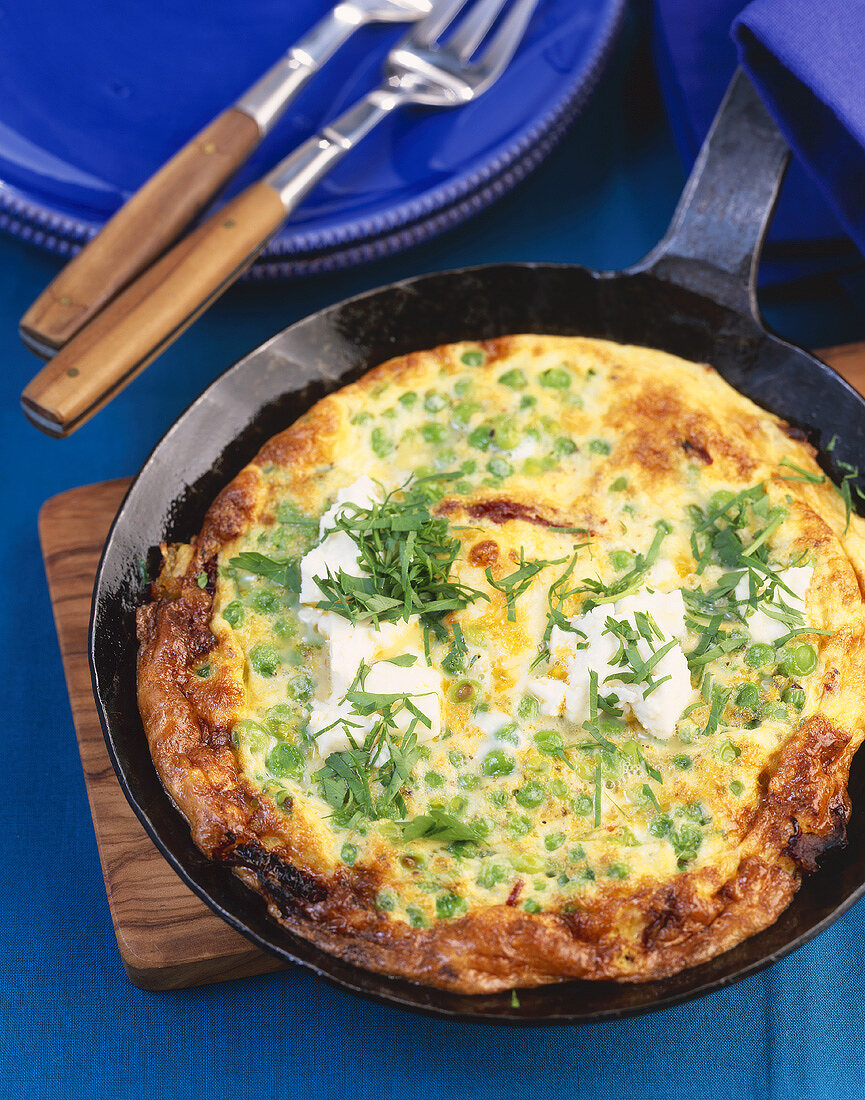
[(140, 231), (147, 316)]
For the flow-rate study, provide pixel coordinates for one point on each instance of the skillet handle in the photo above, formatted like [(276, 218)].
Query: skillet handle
[(713, 244)]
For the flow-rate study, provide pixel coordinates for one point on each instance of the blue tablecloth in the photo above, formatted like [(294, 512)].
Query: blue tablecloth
[(73, 1024)]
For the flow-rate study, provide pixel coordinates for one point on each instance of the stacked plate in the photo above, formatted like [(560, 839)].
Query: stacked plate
[(90, 107)]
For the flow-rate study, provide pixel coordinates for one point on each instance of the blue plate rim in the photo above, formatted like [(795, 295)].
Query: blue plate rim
[(367, 238)]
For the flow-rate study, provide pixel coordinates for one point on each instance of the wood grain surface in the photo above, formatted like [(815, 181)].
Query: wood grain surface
[(141, 230), (151, 312), (168, 939)]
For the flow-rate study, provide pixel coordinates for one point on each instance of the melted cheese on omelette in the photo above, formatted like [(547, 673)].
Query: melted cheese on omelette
[(622, 631)]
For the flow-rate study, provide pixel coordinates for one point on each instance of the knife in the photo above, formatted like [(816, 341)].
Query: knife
[(156, 215)]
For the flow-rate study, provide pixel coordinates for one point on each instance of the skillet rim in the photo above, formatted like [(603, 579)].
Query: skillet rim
[(381, 988)]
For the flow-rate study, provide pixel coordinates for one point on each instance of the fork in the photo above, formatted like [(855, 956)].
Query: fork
[(450, 57), (162, 208)]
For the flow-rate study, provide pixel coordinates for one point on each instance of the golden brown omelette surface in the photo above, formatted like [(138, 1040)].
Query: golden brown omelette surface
[(516, 662)]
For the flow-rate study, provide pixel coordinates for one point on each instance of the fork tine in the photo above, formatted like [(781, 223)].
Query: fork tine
[(473, 29), (508, 37), (426, 32)]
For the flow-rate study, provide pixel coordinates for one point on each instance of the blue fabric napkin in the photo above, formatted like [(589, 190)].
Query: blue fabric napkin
[(805, 58)]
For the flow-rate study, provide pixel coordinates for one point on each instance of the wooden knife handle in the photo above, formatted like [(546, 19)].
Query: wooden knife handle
[(143, 319), (140, 231)]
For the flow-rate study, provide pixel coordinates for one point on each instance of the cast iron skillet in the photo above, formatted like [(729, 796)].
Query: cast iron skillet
[(692, 296)]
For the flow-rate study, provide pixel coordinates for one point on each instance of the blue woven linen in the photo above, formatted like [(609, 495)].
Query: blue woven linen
[(806, 60), (73, 1025)]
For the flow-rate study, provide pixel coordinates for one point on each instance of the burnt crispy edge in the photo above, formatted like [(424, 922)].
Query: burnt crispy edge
[(685, 921)]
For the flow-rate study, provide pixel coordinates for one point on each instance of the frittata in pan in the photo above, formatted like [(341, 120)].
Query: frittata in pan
[(517, 662)]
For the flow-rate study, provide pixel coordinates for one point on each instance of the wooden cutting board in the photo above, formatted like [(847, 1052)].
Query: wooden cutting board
[(168, 939)]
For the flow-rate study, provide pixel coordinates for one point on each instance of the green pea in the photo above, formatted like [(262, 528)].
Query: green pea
[(515, 378), (457, 805), (266, 602), (468, 467), (500, 467), (491, 875), (265, 660), (380, 443), (619, 485), (617, 870), (582, 805), (549, 742), (737, 788), (506, 433), (464, 691), (434, 402), (498, 762), (759, 655), (285, 761), (553, 841), (661, 826), (563, 879), (801, 659), (794, 697), (776, 712), (621, 560), (528, 707), (498, 798), (530, 862), (577, 854), (408, 398), (462, 386), (415, 917), (233, 613), (558, 788), (532, 906), (508, 733), (463, 412), (203, 672), (481, 437), (599, 446), (555, 378), (278, 718), (361, 418), (519, 825), (457, 758), (433, 779), (348, 854), (450, 905), (564, 446), (748, 697), (282, 628), (463, 487), (301, 688), (389, 414), (433, 432), (531, 795), (527, 401), (472, 358), (468, 782), (729, 753), (684, 763)]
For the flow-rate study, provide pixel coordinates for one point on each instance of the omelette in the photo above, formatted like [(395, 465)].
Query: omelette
[(516, 662)]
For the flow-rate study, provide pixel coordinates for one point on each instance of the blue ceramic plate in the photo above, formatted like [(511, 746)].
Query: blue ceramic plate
[(94, 96)]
